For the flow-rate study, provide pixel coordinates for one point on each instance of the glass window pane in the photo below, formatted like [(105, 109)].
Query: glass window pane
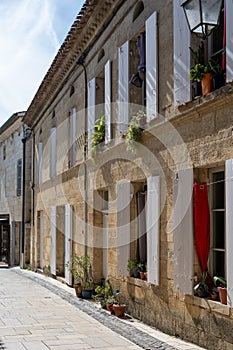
[(192, 10), (218, 230), (219, 264), (218, 190)]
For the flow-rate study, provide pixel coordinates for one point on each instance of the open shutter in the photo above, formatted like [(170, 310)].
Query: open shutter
[(53, 152), (13, 236), (19, 177), (40, 152), (68, 241), (123, 87), (153, 239), (229, 229), (183, 231), (182, 86), (151, 67), (73, 137), (91, 110), (229, 40), (123, 226), (108, 84), (53, 241)]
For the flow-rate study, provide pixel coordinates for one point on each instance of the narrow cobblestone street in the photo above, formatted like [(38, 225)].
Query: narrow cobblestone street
[(37, 312)]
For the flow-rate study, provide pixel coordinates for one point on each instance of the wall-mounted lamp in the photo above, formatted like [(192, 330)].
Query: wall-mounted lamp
[(202, 15)]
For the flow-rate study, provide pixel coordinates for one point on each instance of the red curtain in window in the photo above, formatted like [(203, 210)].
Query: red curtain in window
[(201, 223)]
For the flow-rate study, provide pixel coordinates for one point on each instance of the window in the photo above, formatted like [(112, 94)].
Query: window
[(40, 153), (217, 207), (4, 152), (19, 177), (52, 152), (72, 148)]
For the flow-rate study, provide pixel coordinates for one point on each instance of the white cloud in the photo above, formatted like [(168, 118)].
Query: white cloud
[(29, 42)]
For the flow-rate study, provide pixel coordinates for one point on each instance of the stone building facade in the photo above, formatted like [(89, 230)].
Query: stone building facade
[(135, 201), (11, 165)]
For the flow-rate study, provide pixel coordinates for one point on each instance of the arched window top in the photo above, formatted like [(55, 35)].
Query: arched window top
[(138, 10), (72, 90), (101, 55)]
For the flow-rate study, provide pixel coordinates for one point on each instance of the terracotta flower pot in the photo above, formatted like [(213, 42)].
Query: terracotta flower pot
[(78, 290), (206, 84), (223, 295), (119, 310)]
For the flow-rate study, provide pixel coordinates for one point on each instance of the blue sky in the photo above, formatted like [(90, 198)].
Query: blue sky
[(31, 32)]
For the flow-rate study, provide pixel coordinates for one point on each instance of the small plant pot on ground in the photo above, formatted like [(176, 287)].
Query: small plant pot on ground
[(78, 290), (223, 295), (119, 310), (87, 294)]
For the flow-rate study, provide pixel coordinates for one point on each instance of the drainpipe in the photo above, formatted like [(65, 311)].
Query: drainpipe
[(26, 135), (80, 62)]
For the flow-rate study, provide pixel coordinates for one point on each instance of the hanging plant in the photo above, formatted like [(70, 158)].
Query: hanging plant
[(134, 131), (98, 136)]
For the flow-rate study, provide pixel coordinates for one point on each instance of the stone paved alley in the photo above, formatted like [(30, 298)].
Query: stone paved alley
[(37, 313)]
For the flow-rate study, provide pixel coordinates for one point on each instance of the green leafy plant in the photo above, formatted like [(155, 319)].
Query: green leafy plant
[(134, 130), (219, 282), (197, 72), (132, 263), (201, 289), (81, 269), (98, 136)]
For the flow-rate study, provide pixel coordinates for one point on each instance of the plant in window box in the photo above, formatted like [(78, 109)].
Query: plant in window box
[(196, 75), (142, 270), (132, 267), (201, 289), (134, 131), (218, 76), (98, 136), (221, 285)]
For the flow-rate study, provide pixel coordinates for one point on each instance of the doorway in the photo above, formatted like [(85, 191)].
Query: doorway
[(4, 243)]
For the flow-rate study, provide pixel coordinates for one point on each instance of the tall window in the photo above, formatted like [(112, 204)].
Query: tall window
[(217, 206), (19, 177)]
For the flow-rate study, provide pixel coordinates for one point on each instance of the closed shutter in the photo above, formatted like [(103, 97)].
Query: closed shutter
[(73, 137), (123, 226), (41, 239), (40, 152), (108, 86), (229, 229), (153, 238), (182, 86), (19, 177), (123, 87), (13, 240), (91, 109), (68, 241), (151, 67), (183, 231), (229, 40), (53, 152), (53, 241)]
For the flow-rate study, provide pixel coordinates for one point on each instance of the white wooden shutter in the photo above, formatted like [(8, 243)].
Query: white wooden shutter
[(229, 229), (40, 153), (229, 40), (151, 67), (123, 87), (123, 226), (13, 236), (73, 137), (108, 86), (91, 109), (52, 152), (153, 238), (68, 241), (182, 86), (183, 231), (53, 240), (41, 239)]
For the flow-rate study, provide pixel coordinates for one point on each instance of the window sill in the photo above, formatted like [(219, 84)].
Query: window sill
[(208, 304)]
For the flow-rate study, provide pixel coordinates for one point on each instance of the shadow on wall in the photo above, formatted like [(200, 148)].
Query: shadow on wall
[(2, 347)]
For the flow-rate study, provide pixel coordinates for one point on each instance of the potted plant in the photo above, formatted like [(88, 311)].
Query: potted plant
[(103, 293), (196, 75), (218, 76), (133, 268), (134, 131), (201, 289), (206, 82), (81, 269), (118, 308), (98, 136), (142, 269), (221, 284)]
